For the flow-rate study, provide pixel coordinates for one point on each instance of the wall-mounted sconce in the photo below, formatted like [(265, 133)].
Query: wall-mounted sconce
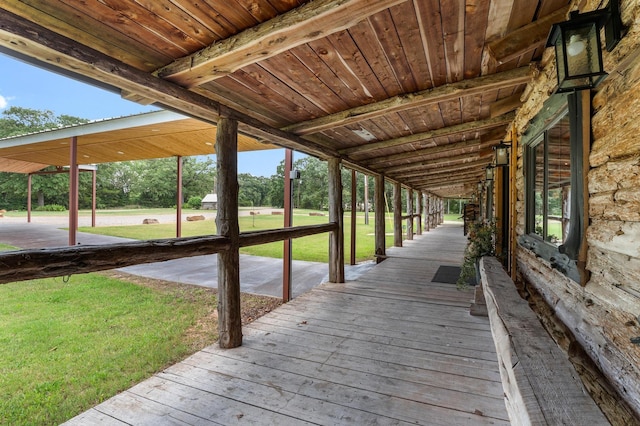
[(488, 172), (502, 154), (577, 44)]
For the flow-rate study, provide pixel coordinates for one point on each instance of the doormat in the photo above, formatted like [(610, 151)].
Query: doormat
[(450, 275)]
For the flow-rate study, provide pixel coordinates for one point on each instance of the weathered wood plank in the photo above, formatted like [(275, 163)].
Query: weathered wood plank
[(544, 383), (336, 240)]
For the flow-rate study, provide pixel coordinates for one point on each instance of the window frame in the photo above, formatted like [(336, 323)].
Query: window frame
[(570, 257)]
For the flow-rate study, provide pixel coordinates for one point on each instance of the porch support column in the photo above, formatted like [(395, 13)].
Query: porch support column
[(336, 239), (29, 198), (229, 318), (419, 211), (379, 218), (93, 196), (397, 215), (73, 190), (354, 193), (288, 222), (410, 214), (427, 206), (178, 196)]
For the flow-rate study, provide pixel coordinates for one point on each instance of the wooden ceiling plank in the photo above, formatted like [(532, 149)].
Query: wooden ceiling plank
[(505, 105), (406, 22), (386, 31), (413, 100), (310, 21), (445, 131), (525, 39), (431, 164), (476, 22), (120, 45), (430, 25), (522, 13), (473, 145), (18, 33), (453, 12)]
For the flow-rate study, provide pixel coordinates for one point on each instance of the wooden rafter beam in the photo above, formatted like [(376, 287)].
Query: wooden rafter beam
[(432, 164), (471, 147), (441, 171), (451, 177), (471, 126), (526, 38), (28, 38), (423, 98), (309, 22), (432, 186)]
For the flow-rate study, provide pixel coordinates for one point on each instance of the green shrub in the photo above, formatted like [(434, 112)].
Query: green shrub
[(51, 208), (194, 203)]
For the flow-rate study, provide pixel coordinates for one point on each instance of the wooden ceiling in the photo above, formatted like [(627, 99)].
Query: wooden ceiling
[(158, 134), (419, 90)]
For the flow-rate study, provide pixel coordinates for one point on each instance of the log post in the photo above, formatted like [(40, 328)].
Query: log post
[(410, 214), (397, 215), (29, 185), (178, 196), (73, 190), (419, 212), (229, 318), (379, 218), (336, 239), (287, 246), (427, 225), (354, 193)]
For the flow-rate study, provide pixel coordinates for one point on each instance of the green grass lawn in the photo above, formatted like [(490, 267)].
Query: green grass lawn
[(65, 345)]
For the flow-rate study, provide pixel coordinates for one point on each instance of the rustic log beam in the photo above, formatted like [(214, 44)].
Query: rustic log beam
[(430, 166), (336, 240), (424, 98), (18, 34), (525, 39), (309, 22), (380, 231), (397, 215), (442, 171), (505, 106), (471, 126), (470, 146), (435, 163), (254, 238), (229, 316), (55, 262), (452, 179), (419, 212), (409, 216)]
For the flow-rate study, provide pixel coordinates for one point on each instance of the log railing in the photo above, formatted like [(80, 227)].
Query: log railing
[(24, 265)]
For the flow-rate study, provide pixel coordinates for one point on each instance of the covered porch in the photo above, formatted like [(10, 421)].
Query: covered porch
[(392, 347)]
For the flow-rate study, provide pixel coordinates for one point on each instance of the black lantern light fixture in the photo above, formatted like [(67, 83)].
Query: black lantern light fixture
[(577, 44), (502, 154), (488, 172)]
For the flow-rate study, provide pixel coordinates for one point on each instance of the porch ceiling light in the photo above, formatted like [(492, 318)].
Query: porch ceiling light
[(488, 172), (577, 43), (502, 154)]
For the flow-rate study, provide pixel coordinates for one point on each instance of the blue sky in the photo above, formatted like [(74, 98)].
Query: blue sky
[(26, 86)]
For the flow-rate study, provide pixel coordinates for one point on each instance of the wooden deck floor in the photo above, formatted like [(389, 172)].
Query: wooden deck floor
[(390, 348)]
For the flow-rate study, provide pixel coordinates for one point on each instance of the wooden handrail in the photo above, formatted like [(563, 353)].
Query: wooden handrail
[(22, 265)]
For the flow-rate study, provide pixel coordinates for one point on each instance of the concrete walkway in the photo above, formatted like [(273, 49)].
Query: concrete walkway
[(259, 275)]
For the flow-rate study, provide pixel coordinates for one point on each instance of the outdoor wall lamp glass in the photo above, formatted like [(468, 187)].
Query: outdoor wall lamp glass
[(488, 172), (577, 45), (502, 154)]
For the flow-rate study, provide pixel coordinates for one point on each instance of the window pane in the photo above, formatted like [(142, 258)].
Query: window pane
[(558, 213), (538, 188)]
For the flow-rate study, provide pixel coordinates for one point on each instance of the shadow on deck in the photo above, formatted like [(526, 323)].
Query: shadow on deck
[(392, 347)]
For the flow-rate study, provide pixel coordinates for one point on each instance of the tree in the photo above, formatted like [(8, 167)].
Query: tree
[(254, 190), (48, 189)]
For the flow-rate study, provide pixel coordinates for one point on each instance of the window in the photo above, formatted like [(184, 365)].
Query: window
[(555, 169), (551, 156)]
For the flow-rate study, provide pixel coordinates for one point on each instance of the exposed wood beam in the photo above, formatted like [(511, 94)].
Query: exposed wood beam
[(30, 39), (452, 177), (446, 184), (441, 171), (311, 21), (526, 38), (506, 105), (432, 164), (472, 145), (413, 100), (475, 126)]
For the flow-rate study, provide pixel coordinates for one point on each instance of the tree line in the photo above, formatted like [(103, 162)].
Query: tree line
[(152, 183)]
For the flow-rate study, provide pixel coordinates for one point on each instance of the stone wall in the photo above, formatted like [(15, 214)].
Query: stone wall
[(604, 316)]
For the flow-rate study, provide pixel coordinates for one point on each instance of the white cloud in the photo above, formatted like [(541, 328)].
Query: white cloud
[(3, 102)]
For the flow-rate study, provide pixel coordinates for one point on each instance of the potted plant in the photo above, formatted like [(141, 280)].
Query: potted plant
[(481, 238)]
